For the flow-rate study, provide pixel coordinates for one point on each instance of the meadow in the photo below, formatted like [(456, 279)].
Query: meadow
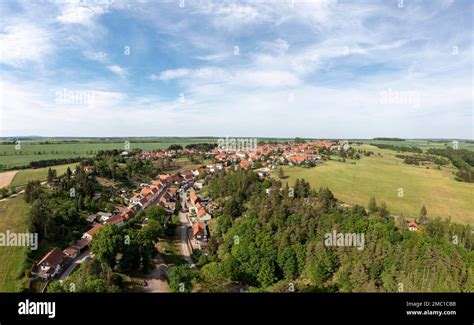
[(39, 174), (13, 217), (404, 188)]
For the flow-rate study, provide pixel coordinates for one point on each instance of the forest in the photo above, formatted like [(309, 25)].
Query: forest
[(271, 238)]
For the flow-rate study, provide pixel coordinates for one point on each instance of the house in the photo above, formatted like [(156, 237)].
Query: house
[(127, 214), (82, 244), (412, 226), (169, 206), (194, 198), (71, 252), (88, 169), (143, 203), (297, 160), (199, 184), (104, 216), (245, 164), (91, 232), (201, 212), (116, 220), (52, 263), (200, 231), (92, 218)]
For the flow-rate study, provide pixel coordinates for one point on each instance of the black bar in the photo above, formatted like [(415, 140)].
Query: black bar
[(82, 307)]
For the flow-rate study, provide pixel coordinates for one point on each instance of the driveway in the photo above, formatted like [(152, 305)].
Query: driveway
[(75, 263)]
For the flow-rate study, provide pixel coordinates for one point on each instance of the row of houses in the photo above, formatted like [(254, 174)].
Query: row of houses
[(159, 192)]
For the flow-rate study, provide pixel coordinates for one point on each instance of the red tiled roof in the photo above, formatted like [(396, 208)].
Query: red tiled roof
[(197, 227), (53, 258), (93, 230), (201, 212), (81, 243), (115, 219)]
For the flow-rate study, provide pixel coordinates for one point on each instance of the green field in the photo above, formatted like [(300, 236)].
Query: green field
[(422, 144), (39, 174), (382, 177), (34, 150), (13, 217)]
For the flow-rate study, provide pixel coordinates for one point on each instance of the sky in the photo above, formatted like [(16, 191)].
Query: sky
[(315, 69)]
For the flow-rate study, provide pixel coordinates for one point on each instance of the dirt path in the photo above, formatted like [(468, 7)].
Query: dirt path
[(6, 178), (157, 278)]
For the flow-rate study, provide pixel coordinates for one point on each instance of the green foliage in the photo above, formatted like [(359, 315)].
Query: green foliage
[(107, 243), (280, 238), (180, 277)]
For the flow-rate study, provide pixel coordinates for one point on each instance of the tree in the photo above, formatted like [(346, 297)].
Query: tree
[(287, 262), (107, 243), (213, 278), (51, 175), (321, 263), (372, 205), (266, 274), (180, 277), (423, 215), (32, 191), (155, 212), (383, 210), (281, 174)]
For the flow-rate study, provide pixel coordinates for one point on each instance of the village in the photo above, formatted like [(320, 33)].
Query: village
[(182, 191)]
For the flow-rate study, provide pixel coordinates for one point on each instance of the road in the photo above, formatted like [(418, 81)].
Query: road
[(183, 229), (75, 263), (157, 278)]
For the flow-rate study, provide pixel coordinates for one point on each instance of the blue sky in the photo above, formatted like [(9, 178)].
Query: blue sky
[(320, 69)]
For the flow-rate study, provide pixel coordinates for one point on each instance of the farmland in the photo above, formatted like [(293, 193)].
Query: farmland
[(13, 217), (384, 177), (13, 154)]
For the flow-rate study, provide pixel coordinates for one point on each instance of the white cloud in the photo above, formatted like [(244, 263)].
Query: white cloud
[(152, 77), (81, 12), (24, 43), (173, 74), (279, 46), (118, 70), (96, 56)]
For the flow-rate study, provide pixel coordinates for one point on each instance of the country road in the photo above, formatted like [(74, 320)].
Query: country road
[(183, 229)]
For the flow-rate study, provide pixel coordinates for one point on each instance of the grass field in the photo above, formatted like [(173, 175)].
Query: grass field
[(382, 177), (40, 174), (34, 150), (423, 144), (13, 217)]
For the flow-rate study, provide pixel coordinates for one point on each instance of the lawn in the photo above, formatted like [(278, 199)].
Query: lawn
[(40, 174), (383, 177), (13, 217)]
